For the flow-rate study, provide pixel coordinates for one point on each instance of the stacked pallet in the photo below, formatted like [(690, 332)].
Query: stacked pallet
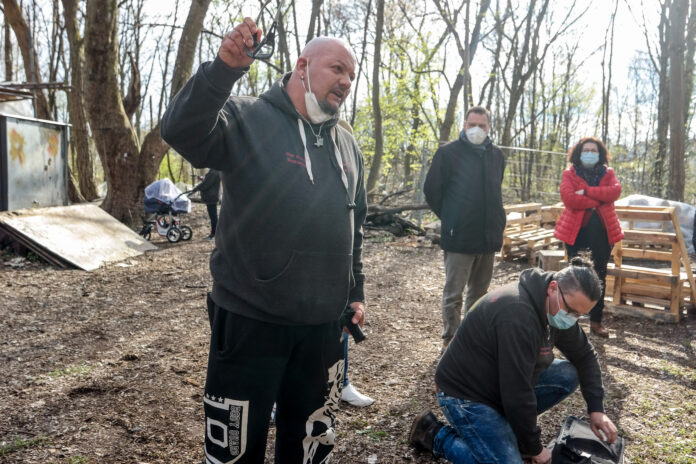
[(524, 234), (651, 274)]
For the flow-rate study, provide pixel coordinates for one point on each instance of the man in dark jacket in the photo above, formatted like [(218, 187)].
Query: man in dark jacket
[(287, 257), (499, 372), (463, 187), (210, 195)]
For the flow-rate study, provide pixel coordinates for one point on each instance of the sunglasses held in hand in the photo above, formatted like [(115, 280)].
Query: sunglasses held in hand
[(264, 49)]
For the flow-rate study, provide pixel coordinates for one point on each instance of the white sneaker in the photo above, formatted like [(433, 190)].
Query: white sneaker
[(352, 396)]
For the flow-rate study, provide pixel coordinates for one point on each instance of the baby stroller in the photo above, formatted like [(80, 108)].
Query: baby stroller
[(164, 203)]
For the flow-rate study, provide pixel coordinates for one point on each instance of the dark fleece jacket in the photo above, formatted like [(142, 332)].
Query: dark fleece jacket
[(501, 348), (209, 188), (287, 249), (463, 187)]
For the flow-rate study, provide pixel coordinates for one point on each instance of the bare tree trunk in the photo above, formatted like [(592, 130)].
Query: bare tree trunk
[(128, 167), (154, 147), (448, 121), (14, 16), (283, 48), (376, 166), (358, 72), (113, 134), (661, 67), (467, 50), (526, 61), (416, 122), (187, 44), (9, 73), (76, 106), (607, 71), (689, 61), (313, 19), (677, 16)]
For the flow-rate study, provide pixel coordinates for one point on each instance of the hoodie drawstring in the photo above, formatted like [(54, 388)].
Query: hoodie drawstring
[(308, 161)]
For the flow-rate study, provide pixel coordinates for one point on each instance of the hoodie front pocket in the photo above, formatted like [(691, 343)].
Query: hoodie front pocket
[(311, 288)]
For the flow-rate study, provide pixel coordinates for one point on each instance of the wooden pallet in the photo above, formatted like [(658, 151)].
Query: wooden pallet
[(524, 235), (661, 288)]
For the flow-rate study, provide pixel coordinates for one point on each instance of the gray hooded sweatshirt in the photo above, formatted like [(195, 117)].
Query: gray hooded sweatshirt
[(289, 239)]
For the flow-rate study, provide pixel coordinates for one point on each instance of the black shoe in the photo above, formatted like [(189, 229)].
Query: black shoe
[(211, 237), (425, 427)]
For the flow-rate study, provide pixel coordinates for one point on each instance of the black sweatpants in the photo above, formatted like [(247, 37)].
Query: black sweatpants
[(213, 215), (253, 364), (593, 237)]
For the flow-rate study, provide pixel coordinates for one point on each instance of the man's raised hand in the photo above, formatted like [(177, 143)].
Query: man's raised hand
[(232, 50)]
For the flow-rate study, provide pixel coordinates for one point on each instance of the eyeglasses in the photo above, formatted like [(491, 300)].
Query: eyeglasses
[(264, 50), (571, 312)]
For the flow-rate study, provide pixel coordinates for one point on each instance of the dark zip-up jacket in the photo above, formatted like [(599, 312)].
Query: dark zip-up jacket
[(209, 188), (501, 348), (463, 188), (287, 249)]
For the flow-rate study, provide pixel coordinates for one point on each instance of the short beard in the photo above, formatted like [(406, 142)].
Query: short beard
[(327, 107)]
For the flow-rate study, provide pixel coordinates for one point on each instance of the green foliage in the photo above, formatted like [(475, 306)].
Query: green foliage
[(405, 112), (176, 168), (375, 434), (19, 444), (78, 460), (71, 371), (671, 440)]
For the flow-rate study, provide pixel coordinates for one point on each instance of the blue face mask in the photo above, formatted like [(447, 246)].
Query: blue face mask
[(589, 158), (562, 320)]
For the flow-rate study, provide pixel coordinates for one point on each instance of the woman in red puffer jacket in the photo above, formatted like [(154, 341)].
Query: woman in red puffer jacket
[(589, 222)]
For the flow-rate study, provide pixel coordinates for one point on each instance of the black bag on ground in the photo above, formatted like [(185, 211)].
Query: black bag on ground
[(576, 443)]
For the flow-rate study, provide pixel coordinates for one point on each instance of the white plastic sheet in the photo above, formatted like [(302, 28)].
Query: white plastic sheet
[(165, 191), (685, 214)]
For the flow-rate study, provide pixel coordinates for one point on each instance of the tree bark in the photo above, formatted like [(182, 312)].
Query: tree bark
[(128, 167), (607, 72), (187, 44), (76, 106), (14, 16), (113, 134), (677, 16), (467, 50), (9, 72), (661, 67), (376, 166), (313, 19), (689, 60)]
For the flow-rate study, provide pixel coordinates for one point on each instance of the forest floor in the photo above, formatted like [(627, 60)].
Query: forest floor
[(109, 366)]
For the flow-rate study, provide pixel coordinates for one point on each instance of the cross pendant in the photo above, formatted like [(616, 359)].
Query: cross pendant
[(319, 142)]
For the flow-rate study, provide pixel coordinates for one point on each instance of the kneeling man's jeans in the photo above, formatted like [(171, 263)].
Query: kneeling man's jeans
[(479, 434)]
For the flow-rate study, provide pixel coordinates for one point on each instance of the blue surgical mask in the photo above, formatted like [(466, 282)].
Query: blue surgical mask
[(589, 158), (562, 320)]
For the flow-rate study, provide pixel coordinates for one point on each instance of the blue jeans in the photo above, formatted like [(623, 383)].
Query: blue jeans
[(479, 434)]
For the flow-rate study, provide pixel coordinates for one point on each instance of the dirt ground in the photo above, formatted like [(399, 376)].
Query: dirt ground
[(109, 366)]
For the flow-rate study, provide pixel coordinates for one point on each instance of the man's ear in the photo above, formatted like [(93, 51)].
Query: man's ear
[(301, 66)]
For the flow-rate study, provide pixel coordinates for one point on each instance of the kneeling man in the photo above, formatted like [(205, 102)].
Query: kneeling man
[(499, 372)]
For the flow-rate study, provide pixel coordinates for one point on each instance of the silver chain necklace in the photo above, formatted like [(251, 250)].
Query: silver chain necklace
[(318, 139)]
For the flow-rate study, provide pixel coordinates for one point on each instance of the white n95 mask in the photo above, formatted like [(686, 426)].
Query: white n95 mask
[(314, 111), (476, 135)]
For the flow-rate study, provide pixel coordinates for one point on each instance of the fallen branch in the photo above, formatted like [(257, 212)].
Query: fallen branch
[(386, 218), (378, 209)]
